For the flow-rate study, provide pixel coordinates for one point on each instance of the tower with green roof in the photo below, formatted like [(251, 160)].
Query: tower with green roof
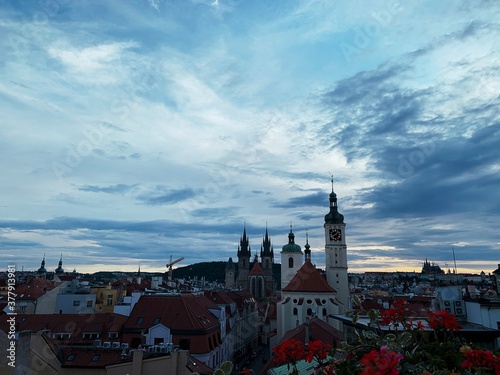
[(291, 259)]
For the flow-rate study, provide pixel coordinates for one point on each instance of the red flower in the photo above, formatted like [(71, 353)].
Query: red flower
[(418, 325), (481, 358), (290, 351), (443, 320), (317, 349), (394, 315), (380, 362)]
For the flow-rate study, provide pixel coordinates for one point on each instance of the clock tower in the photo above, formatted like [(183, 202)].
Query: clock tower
[(336, 253)]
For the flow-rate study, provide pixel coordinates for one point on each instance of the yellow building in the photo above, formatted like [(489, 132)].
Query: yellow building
[(106, 298)]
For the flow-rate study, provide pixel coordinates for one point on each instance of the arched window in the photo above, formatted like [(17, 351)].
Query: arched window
[(324, 312), (309, 312), (295, 312), (260, 292), (267, 264), (290, 262)]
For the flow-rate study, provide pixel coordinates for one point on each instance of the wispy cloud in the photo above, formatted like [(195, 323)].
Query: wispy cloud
[(170, 119)]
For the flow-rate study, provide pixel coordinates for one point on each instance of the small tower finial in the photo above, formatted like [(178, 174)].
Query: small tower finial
[(332, 182)]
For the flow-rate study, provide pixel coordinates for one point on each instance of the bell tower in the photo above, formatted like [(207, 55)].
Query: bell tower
[(244, 255), (336, 253), (267, 257)]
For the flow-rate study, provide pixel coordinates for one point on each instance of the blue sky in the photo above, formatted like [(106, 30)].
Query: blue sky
[(131, 131)]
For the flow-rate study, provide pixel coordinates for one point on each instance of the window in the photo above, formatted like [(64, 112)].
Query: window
[(290, 262), (89, 303), (76, 303), (113, 335), (157, 320), (96, 357), (309, 312), (109, 302), (184, 344), (140, 320), (295, 312), (70, 358)]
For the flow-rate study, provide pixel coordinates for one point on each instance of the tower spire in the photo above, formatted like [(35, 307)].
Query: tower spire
[(59, 269), (307, 251)]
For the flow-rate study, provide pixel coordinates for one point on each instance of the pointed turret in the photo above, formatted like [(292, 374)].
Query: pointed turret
[(42, 271), (244, 256), (266, 249), (334, 216), (244, 247), (59, 269), (291, 247), (307, 251)]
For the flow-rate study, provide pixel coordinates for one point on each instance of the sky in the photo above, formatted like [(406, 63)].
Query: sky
[(135, 131)]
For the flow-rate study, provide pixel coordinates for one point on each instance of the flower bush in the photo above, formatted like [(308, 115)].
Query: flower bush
[(406, 347)]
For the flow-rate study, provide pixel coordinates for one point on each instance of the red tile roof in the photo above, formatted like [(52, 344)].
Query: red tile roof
[(318, 330), (195, 365), (75, 324), (308, 279), (256, 269), (186, 315), (33, 289)]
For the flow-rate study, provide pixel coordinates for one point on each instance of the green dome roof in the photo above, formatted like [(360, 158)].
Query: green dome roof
[(291, 247)]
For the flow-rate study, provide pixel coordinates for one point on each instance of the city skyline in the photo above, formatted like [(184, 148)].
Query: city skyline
[(132, 132)]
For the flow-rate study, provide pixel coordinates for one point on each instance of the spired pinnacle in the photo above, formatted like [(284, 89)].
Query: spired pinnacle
[(334, 216)]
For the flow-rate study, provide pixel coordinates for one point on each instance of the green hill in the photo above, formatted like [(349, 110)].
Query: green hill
[(213, 271)]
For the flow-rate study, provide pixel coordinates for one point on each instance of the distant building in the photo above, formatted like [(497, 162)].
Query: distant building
[(240, 275), (429, 268), (76, 299)]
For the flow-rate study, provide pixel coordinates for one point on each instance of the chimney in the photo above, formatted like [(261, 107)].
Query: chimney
[(137, 362), (307, 332)]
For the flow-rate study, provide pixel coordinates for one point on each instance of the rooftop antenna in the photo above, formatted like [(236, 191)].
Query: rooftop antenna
[(454, 260)]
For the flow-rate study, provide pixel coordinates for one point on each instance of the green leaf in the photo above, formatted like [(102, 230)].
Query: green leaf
[(405, 339), (355, 319), (373, 314), (219, 372), (390, 337), (227, 367)]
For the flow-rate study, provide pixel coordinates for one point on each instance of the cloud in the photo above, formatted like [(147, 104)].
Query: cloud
[(163, 195), (118, 188)]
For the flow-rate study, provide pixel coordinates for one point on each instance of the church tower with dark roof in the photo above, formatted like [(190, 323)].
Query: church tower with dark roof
[(42, 272), (267, 257), (59, 270), (244, 256), (336, 253)]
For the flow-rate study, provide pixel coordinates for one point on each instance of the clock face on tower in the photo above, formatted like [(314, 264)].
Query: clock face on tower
[(335, 235)]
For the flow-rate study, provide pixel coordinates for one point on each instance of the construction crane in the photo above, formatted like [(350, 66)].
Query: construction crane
[(170, 264)]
